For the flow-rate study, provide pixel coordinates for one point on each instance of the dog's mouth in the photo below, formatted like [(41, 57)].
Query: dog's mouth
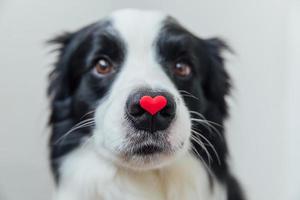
[(143, 145), (148, 152), (146, 145)]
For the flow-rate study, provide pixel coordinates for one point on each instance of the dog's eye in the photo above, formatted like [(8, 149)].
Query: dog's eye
[(104, 66), (182, 69)]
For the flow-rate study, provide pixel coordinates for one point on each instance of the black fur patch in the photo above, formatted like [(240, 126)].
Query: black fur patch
[(73, 90)]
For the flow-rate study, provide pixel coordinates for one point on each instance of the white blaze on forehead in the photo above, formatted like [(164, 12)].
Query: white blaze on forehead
[(138, 27), (139, 31)]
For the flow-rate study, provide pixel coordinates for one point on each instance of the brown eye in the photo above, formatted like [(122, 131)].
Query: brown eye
[(104, 66), (182, 69)]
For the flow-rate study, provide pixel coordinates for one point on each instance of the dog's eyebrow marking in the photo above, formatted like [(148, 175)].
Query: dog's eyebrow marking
[(80, 36), (107, 40)]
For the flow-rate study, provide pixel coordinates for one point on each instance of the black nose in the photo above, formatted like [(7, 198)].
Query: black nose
[(150, 110)]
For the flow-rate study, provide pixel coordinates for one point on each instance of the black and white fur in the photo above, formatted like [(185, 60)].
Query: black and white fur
[(89, 128)]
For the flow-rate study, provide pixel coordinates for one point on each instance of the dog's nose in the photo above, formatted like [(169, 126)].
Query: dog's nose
[(150, 110)]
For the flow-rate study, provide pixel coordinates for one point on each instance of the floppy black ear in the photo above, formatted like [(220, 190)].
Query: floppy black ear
[(58, 77), (217, 81), (60, 84)]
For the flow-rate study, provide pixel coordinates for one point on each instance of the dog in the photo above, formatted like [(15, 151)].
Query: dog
[(137, 111)]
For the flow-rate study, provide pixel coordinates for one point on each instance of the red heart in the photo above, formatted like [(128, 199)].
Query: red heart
[(153, 105)]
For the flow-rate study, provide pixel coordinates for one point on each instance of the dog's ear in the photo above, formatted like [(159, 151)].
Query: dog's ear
[(59, 89), (217, 82)]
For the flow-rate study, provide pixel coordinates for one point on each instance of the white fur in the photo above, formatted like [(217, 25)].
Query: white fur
[(88, 176), (96, 172)]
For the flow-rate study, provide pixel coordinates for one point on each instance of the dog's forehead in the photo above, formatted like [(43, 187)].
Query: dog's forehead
[(138, 26)]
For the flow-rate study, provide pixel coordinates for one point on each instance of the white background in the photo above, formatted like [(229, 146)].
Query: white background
[(263, 130)]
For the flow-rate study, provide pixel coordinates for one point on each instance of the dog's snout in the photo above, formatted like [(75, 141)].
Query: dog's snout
[(150, 111)]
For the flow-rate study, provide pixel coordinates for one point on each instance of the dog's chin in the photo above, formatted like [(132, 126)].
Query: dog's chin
[(141, 150), (149, 162), (150, 156)]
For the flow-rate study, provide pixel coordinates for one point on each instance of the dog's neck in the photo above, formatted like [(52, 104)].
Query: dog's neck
[(86, 176)]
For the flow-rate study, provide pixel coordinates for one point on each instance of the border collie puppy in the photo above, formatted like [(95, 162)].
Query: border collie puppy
[(137, 112)]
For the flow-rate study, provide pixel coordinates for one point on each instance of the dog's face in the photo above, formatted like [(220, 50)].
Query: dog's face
[(124, 130), (139, 81)]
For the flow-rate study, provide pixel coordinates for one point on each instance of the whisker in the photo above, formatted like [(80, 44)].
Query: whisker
[(204, 163), (209, 124), (198, 141), (203, 120), (188, 94), (82, 124), (72, 130), (88, 113), (202, 116), (210, 127), (210, 144)]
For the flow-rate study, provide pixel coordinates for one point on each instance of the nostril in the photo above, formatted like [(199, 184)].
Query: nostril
[(135, 110), (168, 111)]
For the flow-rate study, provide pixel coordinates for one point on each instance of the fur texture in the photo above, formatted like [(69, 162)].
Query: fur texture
[(92, 141)]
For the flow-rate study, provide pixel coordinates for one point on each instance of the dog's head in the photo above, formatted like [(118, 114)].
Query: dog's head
[(139, 89)]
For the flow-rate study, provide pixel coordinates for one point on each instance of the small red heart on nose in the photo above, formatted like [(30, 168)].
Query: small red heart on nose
[(153, 105)]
